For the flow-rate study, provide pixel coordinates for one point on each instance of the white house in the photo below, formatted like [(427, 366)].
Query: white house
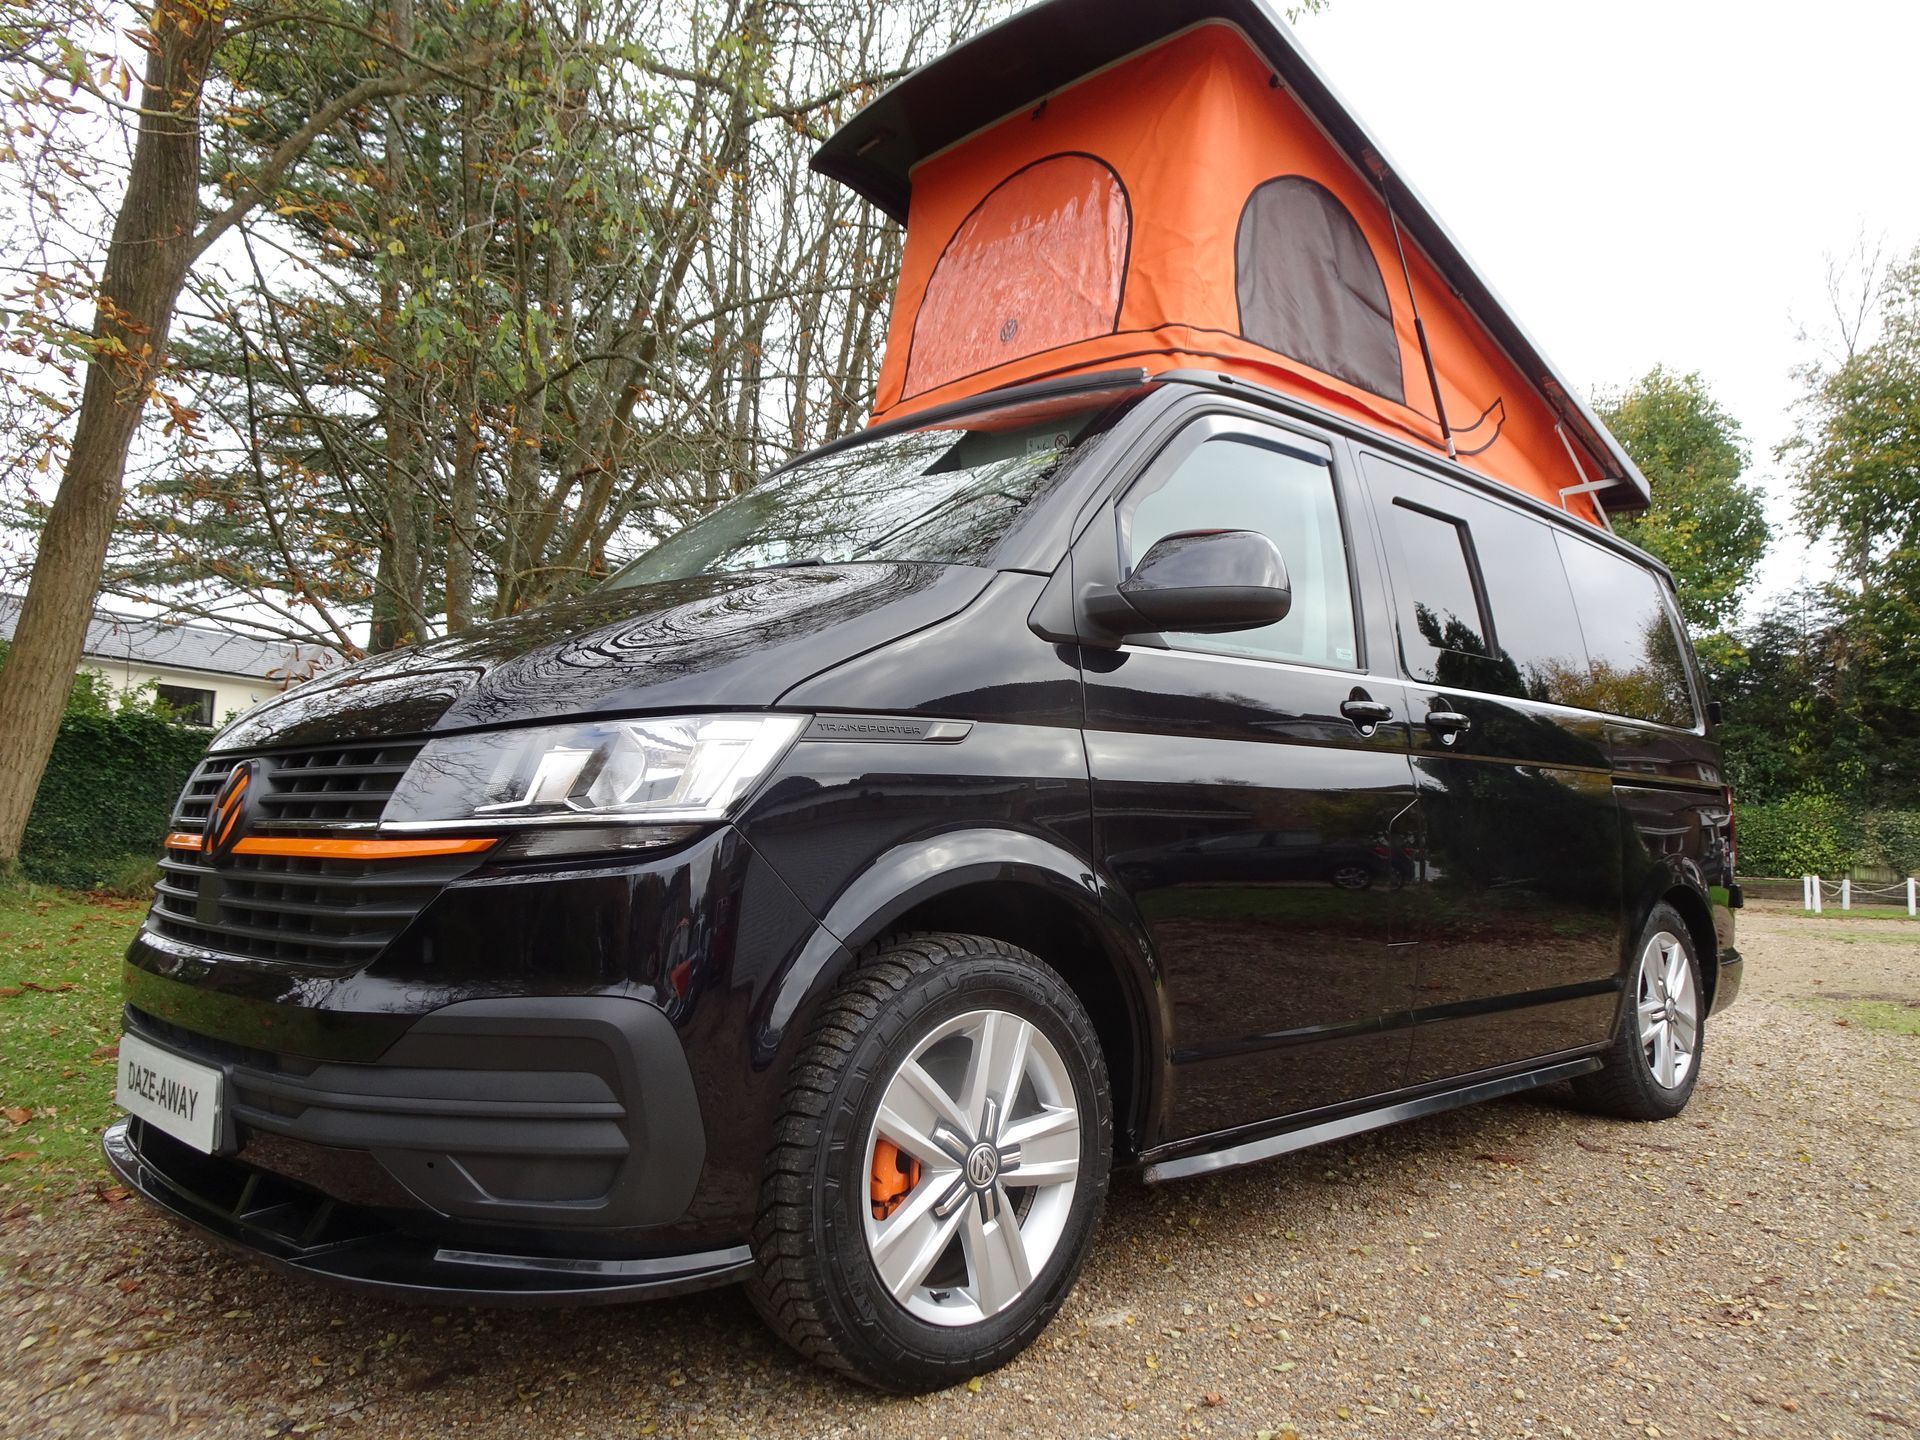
[(208, 673)]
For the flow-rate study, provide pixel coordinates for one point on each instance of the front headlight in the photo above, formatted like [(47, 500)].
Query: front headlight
[(679, 770)]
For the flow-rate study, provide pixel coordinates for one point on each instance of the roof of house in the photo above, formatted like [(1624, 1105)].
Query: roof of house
[(168, 645), (1020, 63)]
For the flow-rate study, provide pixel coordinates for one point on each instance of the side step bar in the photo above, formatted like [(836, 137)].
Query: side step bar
[(1253, 1151)]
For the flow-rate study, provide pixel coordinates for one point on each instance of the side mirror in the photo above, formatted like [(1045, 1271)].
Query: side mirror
[(1199, 582)]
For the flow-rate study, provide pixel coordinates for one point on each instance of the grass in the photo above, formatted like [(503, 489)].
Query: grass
[(1896, 1017), (59, 1028), (1859, 912)]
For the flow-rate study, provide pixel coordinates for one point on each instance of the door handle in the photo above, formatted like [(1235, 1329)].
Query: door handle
[(1366, 713), (1449, 725)]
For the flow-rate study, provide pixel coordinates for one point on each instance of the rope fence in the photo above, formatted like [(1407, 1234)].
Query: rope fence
[(1815, 891)]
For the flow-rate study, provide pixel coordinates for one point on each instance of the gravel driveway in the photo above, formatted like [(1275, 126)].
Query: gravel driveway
[(1752, 1268)]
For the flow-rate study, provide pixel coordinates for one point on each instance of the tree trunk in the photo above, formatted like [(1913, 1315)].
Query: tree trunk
[(398, 602), (152, 246)]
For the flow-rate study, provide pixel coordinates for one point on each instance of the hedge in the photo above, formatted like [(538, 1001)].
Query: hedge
[(1814, 834), (107, 795)]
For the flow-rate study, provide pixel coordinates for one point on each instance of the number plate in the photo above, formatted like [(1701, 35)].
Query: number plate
[(168, 1091)]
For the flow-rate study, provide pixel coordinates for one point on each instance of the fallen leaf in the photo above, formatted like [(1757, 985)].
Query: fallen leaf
[(973, 1385), (16, 1115), (1210, 1399)]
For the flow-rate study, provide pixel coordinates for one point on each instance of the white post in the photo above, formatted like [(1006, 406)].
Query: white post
[(1846, 892), (1816, 895), (1912, 908), (1806, 892)]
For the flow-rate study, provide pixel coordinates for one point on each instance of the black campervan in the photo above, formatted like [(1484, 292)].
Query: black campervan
[(1149, 766)]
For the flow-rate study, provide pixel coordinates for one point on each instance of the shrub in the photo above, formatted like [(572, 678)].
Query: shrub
[(1806, 834), (107, 795), (1891, 838)]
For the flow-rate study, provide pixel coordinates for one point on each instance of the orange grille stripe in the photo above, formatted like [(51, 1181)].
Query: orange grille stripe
[(343, 849)]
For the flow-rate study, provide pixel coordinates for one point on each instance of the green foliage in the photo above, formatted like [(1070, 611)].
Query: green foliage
[(1858, 450), (1891, 838), (119, 764), (1857, 457), (1705, 522), (106, 797), (1805, 834)]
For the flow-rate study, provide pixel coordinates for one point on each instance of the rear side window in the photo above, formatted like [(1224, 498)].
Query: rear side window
[(1636, 660), (1484, 603), (1237, 483), (1543, 654)]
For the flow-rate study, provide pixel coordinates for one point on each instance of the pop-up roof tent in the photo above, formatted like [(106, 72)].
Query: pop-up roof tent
[(1171, 184)]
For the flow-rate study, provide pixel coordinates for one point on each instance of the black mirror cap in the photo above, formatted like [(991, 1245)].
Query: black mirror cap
[(1716, 714), (1210, 582)]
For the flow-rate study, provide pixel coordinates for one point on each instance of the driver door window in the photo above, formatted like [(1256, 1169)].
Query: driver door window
[(1236, 482)]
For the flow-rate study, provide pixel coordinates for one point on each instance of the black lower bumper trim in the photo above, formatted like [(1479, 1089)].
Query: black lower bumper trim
[(300, 1230)]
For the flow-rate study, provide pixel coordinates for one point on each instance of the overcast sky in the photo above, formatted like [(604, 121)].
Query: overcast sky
[(1652, 183)]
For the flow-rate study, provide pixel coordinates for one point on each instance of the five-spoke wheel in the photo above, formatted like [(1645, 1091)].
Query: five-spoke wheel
[(1654, 1061), (941, 1166), (983, 1112), (1669, 1009)]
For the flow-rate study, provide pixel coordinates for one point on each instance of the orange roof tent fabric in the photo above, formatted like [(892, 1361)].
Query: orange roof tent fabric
[(1181, 210)]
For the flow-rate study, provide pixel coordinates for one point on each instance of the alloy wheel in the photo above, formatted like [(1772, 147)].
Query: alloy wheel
[(1669, 1007), (974, 1156)]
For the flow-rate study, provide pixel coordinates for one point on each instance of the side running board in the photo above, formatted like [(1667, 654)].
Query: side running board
[(1287, 1142)]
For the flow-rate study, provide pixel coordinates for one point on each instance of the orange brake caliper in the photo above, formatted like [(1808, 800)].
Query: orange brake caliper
[(894, 1175)]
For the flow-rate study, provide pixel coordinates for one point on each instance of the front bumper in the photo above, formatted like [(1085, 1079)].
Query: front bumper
[(301, 1230), (550, 1114)]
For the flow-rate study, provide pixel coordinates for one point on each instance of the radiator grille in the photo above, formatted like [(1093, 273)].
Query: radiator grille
[(342, 784), (312, 910)]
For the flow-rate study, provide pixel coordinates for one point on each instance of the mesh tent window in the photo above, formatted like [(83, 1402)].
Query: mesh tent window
[(1310, 287), (1040, 263)]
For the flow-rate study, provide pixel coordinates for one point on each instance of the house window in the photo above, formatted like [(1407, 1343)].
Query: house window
[(193, 707)]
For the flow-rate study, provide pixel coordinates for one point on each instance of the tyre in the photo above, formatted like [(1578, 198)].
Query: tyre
[(1654, 1062), (940, 1167)]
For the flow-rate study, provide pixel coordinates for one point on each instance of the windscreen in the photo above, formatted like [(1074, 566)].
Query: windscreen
[(943, 495)]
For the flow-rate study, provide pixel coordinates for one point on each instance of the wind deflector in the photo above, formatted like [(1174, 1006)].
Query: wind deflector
[(1194, 106)]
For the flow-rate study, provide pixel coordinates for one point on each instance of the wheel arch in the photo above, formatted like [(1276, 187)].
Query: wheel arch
[(1693, 908), (1017, 888)]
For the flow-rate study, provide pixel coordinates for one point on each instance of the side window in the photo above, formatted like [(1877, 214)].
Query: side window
[(1636, 660), (1484, 602), (1238, 483), (1445, 637), (1533, 611)]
